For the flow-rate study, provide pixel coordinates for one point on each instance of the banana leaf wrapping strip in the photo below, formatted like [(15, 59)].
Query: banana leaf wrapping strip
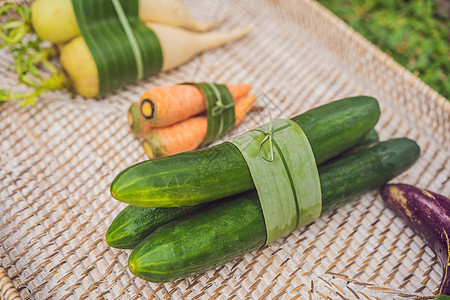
[(220, 110), (123, 47), (283, 168)]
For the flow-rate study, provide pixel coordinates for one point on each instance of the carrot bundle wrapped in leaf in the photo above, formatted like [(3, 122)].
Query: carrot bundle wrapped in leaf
[(108, 44), (169, 120), (187, 135), (167, 105)]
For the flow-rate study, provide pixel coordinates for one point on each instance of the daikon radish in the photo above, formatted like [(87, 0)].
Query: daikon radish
[(180, 45), (172, 12)]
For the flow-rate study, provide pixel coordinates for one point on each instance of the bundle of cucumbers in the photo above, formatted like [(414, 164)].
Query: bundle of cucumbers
[(194, 211)]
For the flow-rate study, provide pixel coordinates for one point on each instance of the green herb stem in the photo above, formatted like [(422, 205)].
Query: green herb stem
[(13, 31), (57, 81), (29, 55)]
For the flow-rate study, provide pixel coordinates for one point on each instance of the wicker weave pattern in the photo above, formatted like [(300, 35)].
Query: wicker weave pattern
[(58, 158)]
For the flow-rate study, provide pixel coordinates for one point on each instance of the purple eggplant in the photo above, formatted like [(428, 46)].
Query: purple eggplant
[(428, 214)]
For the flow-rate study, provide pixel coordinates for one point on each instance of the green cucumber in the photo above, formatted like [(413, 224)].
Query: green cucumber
[(195, 177), (369, 140), (134, 223), (234, 227)]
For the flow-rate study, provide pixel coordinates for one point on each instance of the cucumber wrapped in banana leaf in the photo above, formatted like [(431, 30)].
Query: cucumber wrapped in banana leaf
[(234, 226)]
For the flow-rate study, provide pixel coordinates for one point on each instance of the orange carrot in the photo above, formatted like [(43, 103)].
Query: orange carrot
[(239, 90), (166, 105), (242, 107), (138, 125), (183, 136), (187, 135)]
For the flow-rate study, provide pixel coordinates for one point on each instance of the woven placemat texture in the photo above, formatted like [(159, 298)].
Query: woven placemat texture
[(58, 158)]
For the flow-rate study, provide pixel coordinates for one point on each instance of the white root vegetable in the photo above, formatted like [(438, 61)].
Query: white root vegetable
[(55, 21), (178, 46), (172, 12)]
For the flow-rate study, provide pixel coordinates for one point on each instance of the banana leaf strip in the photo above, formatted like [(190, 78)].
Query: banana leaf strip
[(220, 110), (283, 168), (123, 47)]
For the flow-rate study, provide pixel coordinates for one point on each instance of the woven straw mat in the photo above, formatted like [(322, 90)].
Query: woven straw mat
[(59, 157)]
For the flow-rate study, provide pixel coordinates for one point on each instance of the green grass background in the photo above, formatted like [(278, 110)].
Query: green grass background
[(415, 33)]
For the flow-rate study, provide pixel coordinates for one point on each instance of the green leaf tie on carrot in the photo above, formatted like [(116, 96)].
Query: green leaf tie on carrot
[(220, 110), (286, 179), (220, 107)]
